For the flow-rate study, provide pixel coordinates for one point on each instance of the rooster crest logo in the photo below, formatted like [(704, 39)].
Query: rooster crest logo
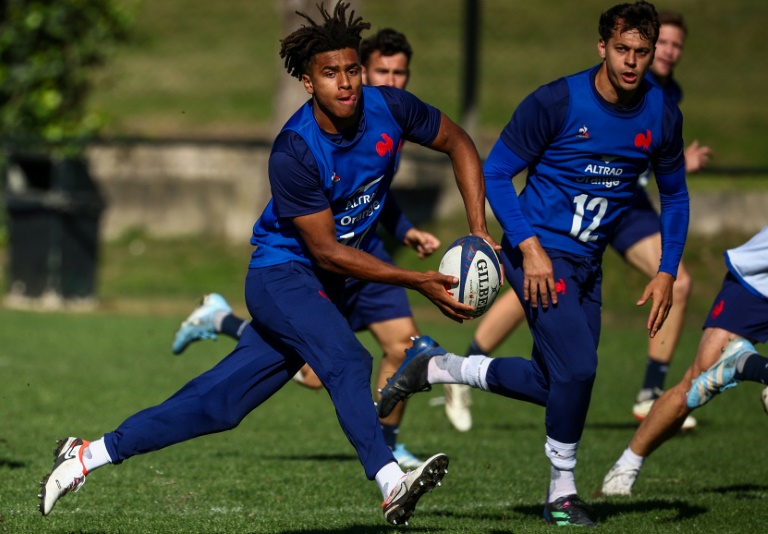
[(583, 132), (385, 147), (560, 286), (718, 309), (643, 140)]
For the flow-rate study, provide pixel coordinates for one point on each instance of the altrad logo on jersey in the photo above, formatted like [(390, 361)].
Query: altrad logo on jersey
[(361, 197), (596, 173)]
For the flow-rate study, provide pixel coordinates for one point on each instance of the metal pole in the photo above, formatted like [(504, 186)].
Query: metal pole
[(470, 72)]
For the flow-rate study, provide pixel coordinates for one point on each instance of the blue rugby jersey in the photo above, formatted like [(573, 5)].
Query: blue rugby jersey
[(584, 157), (310, 170)]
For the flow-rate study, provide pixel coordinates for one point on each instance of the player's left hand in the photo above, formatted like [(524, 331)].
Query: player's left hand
[(424, 243), (659, 290), (491, 241)]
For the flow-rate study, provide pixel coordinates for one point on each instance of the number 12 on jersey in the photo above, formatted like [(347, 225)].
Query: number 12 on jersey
[(598, 204)]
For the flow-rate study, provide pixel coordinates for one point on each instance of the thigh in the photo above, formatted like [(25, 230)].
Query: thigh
[(565, 335), (639, 223), (292, 312)]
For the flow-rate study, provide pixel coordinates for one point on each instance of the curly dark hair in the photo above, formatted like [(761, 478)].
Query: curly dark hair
[(387, 41), (335, 33), (640, 16)]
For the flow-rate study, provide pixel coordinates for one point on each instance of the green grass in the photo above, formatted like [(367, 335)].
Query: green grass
[(211, 69), (287, 468)]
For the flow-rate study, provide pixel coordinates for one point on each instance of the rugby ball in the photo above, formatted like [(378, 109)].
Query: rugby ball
[(474, 262), (764, 396)]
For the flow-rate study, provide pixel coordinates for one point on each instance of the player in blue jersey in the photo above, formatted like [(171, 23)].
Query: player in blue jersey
[(585, 140), (382, 309), (725, 357), (330, 170), (637, 238)]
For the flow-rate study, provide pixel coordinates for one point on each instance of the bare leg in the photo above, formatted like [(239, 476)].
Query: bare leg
[(394, 336), (499, 321), (670, 410), (645, 256)]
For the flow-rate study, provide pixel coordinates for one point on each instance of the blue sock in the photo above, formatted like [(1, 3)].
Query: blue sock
[(475, 350), (233, 326), (390, 435), (754, 368), (655, 374)]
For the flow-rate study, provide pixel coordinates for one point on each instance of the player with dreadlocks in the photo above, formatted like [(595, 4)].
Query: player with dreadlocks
[(330, 171), (381, 309)]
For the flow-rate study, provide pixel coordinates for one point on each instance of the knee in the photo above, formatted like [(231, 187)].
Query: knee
[(681, 290)]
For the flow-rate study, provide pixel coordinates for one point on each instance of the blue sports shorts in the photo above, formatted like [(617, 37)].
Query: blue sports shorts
[(365, 303), (639, 222), (740, 311)]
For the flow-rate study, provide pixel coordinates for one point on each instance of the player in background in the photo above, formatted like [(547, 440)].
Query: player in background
[(637, 239), (585, 140), (314, 233), (383, 309), (725, 357)]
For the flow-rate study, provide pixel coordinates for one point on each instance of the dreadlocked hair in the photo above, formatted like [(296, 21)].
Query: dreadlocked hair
[(335, 33)]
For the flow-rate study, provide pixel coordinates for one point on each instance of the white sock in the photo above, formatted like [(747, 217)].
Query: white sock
[(95, 455), (444, 369), (474, 370), (562, 456), (561, 483), (387, 477), (630, 459)]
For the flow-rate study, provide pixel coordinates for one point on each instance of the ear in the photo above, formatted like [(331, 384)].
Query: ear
[(307, 81), (601, 48)]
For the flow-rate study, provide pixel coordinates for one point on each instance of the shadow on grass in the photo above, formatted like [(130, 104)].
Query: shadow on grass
[(740, 491), (363, 529), (11, 464), (314, 457), (606, 510)]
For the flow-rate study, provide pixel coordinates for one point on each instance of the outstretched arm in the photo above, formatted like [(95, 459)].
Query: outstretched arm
[(318, 231)]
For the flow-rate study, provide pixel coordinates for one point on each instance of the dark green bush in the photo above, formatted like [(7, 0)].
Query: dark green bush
[(49, 50)]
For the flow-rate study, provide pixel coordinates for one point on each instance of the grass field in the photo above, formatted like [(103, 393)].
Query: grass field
[(288, 468)]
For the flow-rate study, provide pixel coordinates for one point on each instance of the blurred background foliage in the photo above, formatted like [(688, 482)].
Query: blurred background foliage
[(48, 52)]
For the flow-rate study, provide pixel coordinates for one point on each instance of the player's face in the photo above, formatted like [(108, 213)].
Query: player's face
[(669, 49), (627, 58), (386, 70), (336, 85)]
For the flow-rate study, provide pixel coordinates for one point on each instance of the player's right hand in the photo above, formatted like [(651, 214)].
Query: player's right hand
[(539, 276), (434, 287)]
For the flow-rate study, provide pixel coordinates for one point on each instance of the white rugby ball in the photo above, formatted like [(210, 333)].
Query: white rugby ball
[(474, 262), (764, 396)]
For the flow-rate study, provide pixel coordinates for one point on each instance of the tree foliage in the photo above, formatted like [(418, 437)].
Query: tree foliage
[(49, 50)]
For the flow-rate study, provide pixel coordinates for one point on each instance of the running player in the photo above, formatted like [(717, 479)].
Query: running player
[(330, 170), (585, 140), (382, 309), (725, 357), (637, 238)]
